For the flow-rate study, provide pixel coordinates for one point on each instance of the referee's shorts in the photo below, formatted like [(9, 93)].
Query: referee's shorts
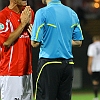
[(54, 79)]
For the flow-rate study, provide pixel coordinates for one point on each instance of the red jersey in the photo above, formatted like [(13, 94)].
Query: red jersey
[(0, 53), (15, 60)]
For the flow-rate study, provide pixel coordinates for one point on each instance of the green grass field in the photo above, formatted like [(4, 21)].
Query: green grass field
[(83, 95)]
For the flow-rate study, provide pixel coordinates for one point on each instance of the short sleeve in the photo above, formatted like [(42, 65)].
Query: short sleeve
[(77, 31), (90, 51), (37, 30), (4, 28)]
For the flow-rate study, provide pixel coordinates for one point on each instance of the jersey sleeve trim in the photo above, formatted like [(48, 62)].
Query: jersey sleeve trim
[(52, 25), (7, 28), (39, 28)]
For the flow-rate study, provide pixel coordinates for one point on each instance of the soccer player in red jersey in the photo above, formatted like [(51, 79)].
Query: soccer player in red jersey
[(15, 47)]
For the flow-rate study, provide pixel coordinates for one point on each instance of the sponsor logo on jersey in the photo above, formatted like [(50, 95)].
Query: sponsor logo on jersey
[(1, 26)]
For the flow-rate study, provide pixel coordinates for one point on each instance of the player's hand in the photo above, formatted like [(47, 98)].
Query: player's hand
[(30, 29), (26, 15), (89, 70)]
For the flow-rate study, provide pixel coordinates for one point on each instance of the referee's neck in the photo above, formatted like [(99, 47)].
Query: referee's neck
[(47, 1)]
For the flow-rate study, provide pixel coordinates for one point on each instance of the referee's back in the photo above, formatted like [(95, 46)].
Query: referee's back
[(59, 25)]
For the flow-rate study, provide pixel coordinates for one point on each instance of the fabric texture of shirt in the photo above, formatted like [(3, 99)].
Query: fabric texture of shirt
[(15, 60), (0, 53), (54, 27), (94, 51)]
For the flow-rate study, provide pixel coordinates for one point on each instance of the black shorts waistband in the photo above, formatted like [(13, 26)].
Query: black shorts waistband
[(59, 59)]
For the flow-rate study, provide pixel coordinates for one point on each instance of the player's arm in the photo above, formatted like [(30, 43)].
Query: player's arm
[(25, 19), (76, 43), (89, 65)]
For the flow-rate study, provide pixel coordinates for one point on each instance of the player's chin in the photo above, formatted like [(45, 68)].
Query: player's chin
[(24, 3)]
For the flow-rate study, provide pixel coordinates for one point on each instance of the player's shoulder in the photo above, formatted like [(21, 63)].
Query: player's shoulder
[(4, 12), (32, 11), (96, 44), (92, 45)]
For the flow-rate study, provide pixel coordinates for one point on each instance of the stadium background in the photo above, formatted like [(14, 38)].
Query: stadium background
[(89, 15)]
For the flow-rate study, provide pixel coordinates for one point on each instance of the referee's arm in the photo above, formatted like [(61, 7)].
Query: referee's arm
[(35, 43), (76, 43)]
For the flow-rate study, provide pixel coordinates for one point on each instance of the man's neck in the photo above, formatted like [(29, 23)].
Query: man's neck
[(15, 8), (53, 1), (47, 1)]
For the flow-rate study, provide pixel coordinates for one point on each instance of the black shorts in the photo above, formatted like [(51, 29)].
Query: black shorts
[(96, 76), (54, 79)]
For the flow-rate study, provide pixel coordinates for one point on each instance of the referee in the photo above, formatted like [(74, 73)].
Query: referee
[(56, 28)]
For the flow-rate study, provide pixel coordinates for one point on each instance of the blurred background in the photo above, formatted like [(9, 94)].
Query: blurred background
[(89, 14)]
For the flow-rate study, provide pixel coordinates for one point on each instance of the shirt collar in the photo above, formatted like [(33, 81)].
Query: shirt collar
[(54, 2)]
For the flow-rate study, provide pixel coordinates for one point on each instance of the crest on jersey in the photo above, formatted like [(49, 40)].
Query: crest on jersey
[(1, 26)]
